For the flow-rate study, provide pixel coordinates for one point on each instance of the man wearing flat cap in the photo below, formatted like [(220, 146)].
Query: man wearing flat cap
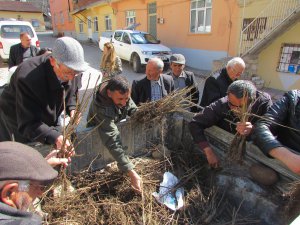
[(24, 173), (32, 102), (183, 78)]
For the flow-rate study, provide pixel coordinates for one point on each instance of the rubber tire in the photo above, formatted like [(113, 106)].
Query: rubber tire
[(136, 64)]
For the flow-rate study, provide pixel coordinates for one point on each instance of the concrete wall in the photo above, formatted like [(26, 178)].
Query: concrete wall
[(136, 139), (26, 16), (268, 60)]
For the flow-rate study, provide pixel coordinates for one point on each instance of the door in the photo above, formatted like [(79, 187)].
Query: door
[(90, 32), (125, 48), (152, 19), (117, 42)]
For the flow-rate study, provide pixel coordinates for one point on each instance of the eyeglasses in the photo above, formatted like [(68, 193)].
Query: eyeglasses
[(233, 106), (177, 65), (236, 72), (68, 72)]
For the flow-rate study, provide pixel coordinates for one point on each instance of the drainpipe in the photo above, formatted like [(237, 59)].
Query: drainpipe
[(242, 27)]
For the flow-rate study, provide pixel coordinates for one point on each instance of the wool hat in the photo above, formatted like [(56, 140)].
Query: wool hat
[(177, 58), (69, 52), (21, 162)]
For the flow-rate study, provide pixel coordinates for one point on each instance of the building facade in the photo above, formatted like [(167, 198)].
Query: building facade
[(23, 11), (270, 42), (93, 19), (62, 21), (202, 30)]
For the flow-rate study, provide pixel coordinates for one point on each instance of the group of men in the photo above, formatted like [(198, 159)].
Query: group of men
[(41, 86)]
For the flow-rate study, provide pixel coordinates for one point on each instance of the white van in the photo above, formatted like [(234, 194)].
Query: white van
[(10, 35)]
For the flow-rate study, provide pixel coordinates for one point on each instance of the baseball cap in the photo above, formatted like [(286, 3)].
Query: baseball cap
[(177, 58), (21, 162), (69, 52)]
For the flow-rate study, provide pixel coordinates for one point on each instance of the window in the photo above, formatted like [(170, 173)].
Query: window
[(255, 29), (96, 29), (62, 17), (54, 19), (142, 38), (81, 26), (35, 23), (289, 61), (130, 18), (118, 35), (13, 31), (126, 38), (70, 17), (108, 23), (89, 23), (200, 16)]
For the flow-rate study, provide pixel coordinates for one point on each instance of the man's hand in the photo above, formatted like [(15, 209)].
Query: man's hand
[(68, 148), (212, 159), (72, 114), (53, 159), (290, 159), (244, 128), (136, 181)]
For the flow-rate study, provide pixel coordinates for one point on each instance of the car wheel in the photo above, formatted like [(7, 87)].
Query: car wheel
[(136, 64)]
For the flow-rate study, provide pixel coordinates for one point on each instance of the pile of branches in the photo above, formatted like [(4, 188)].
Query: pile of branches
[(292, 208), (177, 101), (106, 197)]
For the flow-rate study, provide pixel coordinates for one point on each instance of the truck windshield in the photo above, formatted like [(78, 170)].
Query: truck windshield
[(13, 31), (140, 38)]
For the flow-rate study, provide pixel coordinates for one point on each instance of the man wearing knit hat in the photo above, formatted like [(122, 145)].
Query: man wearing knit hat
[(23, 174), (32, 102)]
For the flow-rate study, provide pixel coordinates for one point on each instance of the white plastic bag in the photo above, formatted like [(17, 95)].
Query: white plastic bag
[(166, 195)]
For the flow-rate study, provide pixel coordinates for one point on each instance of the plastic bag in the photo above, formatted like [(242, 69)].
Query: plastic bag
[(173, 199)]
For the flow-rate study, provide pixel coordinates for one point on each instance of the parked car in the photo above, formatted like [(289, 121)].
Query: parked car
[(137, 47), (10, 35)]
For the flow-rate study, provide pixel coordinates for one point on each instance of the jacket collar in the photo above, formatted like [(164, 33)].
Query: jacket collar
[(53, 81), (225, 75)]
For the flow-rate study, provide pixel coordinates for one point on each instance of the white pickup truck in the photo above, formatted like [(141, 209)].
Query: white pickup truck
[(137, 47)]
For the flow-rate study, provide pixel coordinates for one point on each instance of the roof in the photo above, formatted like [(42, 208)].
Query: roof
[(19, 7)]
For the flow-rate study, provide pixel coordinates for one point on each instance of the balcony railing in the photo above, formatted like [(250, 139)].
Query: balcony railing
[(269, 19)]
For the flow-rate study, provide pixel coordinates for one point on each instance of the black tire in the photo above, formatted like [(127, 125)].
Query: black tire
[(136, 64)]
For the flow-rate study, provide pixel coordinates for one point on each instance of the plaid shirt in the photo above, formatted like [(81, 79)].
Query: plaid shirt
[(156, 90), (179, 82)]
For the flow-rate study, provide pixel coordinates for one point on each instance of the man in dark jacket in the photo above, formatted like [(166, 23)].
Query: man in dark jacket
[(154, 86), (22, 51), (23, 176), (112, 104), (32, 102), (183, 78), (280, 130), (240, 93), (216, 86)]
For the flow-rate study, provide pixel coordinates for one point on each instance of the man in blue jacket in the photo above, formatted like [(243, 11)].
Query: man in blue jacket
[(280, 130)]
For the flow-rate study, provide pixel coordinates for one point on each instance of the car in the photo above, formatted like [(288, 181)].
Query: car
[(10, 35), (137, 47)]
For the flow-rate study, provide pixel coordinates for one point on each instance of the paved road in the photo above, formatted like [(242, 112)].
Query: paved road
[(92, 55)]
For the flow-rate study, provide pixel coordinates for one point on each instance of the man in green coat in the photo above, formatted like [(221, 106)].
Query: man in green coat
[(112, 104)]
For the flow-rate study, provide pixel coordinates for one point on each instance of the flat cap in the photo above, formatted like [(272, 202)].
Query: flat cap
[(21, 162), (177, 58), (69, 52)]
